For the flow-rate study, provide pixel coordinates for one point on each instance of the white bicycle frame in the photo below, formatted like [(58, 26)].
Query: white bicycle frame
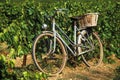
[(56, 34)]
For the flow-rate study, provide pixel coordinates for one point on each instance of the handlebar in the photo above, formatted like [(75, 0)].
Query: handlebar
[(59, 11), (55, 12)]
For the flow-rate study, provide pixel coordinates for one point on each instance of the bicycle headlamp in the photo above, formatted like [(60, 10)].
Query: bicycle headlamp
[(44, 26)]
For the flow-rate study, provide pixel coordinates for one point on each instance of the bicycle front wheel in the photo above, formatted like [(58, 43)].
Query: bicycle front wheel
[(94, 57), (47, 59)]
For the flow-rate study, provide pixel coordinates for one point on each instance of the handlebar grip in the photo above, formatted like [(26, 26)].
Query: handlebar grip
[(62, 9)]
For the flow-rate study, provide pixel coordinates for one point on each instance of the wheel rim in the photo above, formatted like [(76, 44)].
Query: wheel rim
[(49, 63), (94, 57)]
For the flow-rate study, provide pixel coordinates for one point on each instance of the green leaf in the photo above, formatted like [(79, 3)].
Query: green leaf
[(12, 51), (16, 39)]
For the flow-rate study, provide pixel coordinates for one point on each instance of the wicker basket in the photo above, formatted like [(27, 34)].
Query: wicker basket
[(89, 20)]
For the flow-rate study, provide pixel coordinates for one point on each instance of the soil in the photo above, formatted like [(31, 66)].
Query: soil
[(103, 72)]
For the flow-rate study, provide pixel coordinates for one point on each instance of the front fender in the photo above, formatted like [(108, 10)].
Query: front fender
[(47, 32)]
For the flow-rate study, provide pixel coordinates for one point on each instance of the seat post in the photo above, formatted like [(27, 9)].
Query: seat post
[(75, 27)]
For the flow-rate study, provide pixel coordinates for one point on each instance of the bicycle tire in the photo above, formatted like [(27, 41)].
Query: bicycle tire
[(48, 62), (91, 59)]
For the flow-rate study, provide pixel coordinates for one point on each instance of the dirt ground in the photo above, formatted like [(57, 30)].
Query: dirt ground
[(103, 72)]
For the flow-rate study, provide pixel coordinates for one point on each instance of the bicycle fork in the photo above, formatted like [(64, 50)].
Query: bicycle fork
[(52, 43)]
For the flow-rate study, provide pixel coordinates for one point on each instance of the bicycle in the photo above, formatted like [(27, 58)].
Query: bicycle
[(49, 48)]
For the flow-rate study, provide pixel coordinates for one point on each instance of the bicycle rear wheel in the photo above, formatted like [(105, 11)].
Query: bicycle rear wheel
[(45, 58), (94, 57)]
